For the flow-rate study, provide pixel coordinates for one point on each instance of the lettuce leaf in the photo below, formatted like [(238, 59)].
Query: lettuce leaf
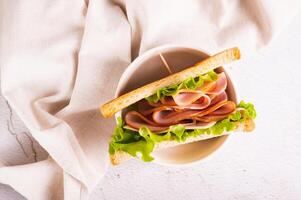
[(190, 83), (143, 142), (131, 142), (250, 111)]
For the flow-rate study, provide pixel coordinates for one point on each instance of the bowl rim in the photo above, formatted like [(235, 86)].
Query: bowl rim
[(148, 54)]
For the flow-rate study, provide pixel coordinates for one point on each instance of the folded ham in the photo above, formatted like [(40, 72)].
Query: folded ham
[(200, 108)]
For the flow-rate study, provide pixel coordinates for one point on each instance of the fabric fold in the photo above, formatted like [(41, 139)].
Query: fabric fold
[(61, 59)]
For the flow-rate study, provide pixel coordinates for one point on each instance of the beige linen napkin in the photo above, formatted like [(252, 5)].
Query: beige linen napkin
[(61, 59)]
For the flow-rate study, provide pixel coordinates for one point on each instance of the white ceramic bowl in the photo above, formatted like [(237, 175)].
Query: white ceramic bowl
[(147, 68)]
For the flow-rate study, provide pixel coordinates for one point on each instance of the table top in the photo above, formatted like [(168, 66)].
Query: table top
[(262, 165)]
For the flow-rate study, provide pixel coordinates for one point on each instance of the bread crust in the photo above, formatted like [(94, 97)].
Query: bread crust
[(121, 156), (110, 108)]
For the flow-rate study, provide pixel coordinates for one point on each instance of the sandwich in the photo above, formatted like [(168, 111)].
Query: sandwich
[(184, 107)]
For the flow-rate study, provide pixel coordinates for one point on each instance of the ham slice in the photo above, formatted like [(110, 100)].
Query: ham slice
[(168, 101), (219, 114), (192, 99), (227, 108), (185, 97), (136, 121), (169, 117), (217, 86), (207, 86), (188, 126), (200, 108), (201, 103), (218, 98), (146, 108)]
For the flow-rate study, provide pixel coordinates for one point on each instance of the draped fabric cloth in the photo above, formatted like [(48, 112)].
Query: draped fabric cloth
[(61, 59)]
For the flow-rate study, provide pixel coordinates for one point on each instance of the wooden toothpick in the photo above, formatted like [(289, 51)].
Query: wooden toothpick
[(165, 63)]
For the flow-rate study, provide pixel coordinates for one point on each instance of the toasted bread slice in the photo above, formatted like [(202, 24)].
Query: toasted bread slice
[(122, 156), (224, 57)]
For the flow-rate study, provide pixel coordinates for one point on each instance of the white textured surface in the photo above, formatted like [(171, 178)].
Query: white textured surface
[(262, 165)]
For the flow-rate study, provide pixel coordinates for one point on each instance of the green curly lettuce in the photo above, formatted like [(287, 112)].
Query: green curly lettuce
[(250, 111), (131, 142), (190, 83), (143, 142)]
